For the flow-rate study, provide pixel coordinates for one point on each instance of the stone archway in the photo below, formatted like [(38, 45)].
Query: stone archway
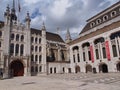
[(17, 68), (77, 69), (88, 68), (118, 66), (103, 68)]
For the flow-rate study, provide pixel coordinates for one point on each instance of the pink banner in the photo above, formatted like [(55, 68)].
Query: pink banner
[(92, 53), (107, 50)]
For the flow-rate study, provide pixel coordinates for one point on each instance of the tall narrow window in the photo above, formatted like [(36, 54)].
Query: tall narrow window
[(12, 36), (114, 50), (97, 54), (36, 58), (104, 52), (89, 54), (32, 58), (84, 56), (21, 49), (11, 49), (17, 37), (74, 58), (36, 48), (36, 40), (40, 59), (78, 57), (17, 49), (22, 38)]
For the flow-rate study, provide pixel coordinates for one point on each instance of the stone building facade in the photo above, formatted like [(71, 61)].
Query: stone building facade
[(27, 51), (98, 47)]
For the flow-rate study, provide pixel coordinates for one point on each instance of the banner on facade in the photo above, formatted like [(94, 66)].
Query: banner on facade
[(107, 50), (92, 53)]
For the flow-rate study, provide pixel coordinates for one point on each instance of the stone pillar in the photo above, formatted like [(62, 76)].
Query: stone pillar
[(81, 53), (100, 51), (116, 42), (59, 54)]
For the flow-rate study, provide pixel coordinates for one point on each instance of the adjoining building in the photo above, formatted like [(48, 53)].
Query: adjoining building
[(98, 47), (27, 51)]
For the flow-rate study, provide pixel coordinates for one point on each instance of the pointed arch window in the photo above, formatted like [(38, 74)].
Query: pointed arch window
[(17, 49), (21, 49), (17, 37), (22, 38)]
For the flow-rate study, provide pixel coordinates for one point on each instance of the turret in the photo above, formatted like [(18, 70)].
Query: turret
[(68, 37), (28, 20), (7, 15)]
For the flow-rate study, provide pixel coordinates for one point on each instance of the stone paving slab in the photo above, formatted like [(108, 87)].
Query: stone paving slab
[(51, 83)]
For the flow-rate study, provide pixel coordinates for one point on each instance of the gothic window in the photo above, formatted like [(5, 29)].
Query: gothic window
[(39, 40), (36, 48), (114, 50), (84, 56), (36, 58), (40, 58), (78, 57), (17, 37), (12, 49), (89, 54), (17, 49), (0, 34), (21, 49), (32, 39), (36, 40), (22, 38), (40, 68), (32, 48), (40, 49), (97, 54), (32, 58), (12, 36), (104, 52)]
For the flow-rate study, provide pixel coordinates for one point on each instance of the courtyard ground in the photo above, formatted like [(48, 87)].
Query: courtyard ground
[(80, 81)]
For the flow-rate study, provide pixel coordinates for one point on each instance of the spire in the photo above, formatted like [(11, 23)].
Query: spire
[(43, 27), (68, 37), (28, 17), (7, 11), (13, 14)]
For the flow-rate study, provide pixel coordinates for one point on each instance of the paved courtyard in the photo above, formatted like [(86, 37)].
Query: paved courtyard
[(81, 81)]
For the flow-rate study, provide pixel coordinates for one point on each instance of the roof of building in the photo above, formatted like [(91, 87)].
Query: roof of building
[(49, 36), (100, 16)]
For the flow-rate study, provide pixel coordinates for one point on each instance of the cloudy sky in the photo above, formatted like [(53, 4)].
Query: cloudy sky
[(62, 14)]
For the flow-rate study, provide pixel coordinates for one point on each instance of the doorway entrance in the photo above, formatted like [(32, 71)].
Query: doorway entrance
[(103, 68), (118, 66), (17, 68), (88, 68), (77, 69)]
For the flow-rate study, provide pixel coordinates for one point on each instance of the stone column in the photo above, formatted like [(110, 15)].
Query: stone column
[(86, 54), (81, 53), (59, 54), (117, 46), (100, 51)]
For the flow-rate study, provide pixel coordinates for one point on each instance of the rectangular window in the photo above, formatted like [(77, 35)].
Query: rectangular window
[(84, 56)]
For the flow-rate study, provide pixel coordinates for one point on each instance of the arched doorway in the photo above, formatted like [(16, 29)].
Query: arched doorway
[(77, 69), (118, 66), (103, 68), (88, 68), (17, 68)]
